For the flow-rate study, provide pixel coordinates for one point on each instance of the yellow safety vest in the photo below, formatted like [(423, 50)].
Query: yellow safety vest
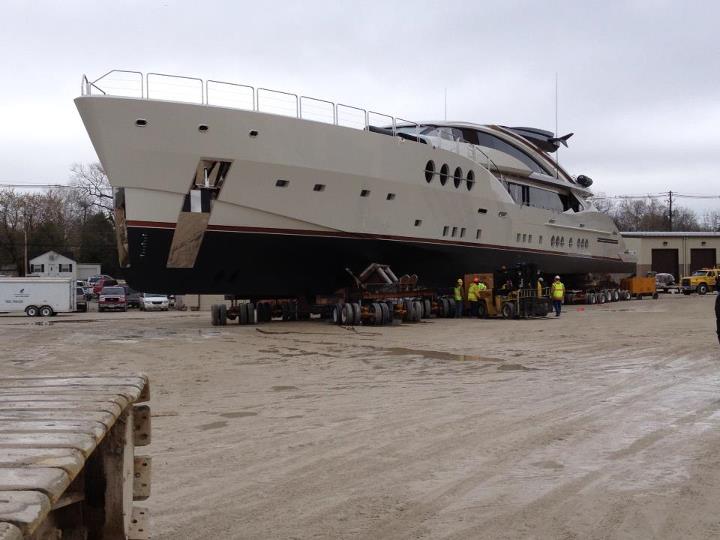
[(458, 293), (473, 292), (482, 287), (557, 291)]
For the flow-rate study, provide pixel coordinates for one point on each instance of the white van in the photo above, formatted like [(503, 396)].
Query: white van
[(37, 296)]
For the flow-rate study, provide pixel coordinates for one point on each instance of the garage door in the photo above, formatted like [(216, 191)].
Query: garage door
[(702, 258), (665, 261)]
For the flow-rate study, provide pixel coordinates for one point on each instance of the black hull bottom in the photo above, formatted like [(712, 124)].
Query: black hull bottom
[(261, 265)]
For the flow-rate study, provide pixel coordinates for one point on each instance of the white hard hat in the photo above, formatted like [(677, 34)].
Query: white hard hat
[(557, 277)]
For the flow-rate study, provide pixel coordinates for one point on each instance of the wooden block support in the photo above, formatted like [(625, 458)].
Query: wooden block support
[(139, 524), (141, 425), (141, 480), (8, 531)]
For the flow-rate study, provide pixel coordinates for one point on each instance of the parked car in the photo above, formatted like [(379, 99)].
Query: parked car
[(133, 297), (112, 298), (150, 301), (80, 299), (87, 289), (102, 283)]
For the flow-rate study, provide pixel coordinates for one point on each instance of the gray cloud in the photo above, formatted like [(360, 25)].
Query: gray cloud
[(638, 80)]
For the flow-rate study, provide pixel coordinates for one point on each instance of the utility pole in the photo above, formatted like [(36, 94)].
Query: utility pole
[(670, 209), (26, 258)]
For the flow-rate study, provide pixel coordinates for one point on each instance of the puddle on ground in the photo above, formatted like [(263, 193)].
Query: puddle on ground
[(515, 367), (437, 355), (239, 414), (213, 425), (284, 388)]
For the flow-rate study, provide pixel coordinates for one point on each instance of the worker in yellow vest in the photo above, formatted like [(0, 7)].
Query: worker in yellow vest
[(557, 294), (473, 291), (459, 295)]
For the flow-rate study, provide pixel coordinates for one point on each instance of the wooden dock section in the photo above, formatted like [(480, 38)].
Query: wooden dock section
[(67, 457)]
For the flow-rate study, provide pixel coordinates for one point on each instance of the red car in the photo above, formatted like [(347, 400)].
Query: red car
[(112, 298), (102, 283)]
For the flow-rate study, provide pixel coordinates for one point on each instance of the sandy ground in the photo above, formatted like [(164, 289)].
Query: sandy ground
[(600, 424)]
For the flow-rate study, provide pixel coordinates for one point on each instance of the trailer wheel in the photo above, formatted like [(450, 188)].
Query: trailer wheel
[(386, 317), (356, 319), (482, 309), (251, 313), (655, 296), (32, 311), (417, 311), (593, 298), (376, 314), (508, 310), (452, 307), (628, 295), (427, 308), (345, 313)]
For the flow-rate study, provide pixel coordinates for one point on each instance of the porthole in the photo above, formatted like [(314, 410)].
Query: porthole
[(253, 133), (202, 128), (365, 193), (444, 171), (141, 122), (462, 232), (478, 234), (454, 232), (282, 183), (429, 171), (319, 187), (446, 229), (470, 182), (418, 222), (457, 177), (482, 210)]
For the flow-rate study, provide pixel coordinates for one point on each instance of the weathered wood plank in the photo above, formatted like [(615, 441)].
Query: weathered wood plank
[(96, 429), (24, 509), (142, 467), (50, 481), (68, 459), (80, 441), (103, 417), (116, 399), (138, 382), (8, 531), (130, 393), (139, 524), (112, 408), (141, 425)]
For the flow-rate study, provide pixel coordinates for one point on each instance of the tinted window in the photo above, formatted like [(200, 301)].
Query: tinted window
[(537, 197), (113, 290), (491, 141)]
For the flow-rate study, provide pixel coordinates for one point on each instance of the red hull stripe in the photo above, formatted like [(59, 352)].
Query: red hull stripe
[(357, 236)]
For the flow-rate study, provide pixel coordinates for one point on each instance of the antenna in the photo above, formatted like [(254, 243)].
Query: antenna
[(446, 103), (557, 150)]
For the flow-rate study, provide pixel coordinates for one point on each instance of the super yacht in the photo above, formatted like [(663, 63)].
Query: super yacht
[(231, 189)]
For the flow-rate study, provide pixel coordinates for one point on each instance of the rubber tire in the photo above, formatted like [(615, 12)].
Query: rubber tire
[(482, 309), (417, 311), (386, 316), (615, 296), (508, 311), (628, 295), (214, 315), (345, 313), (451, 305), (588, 299), (444, 308), (357, 319), (252, 315), (222, 314), (592, 299), (377, 315), (32, 311), (427, 308), (655, 296), (702, 289)]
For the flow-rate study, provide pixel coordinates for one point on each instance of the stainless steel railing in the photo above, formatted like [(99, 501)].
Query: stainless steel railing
[(164, 86)]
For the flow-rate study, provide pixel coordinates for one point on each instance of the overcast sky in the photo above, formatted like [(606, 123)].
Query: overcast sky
[(639, 81)]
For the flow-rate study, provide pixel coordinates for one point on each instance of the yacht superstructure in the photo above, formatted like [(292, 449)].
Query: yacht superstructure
[(219, 193)]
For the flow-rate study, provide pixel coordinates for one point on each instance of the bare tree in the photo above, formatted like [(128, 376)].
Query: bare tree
[(93, 188)]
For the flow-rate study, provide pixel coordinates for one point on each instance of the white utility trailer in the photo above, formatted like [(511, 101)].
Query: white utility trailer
[(37, 296)]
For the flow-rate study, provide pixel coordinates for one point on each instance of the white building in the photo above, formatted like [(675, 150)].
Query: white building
[(53, 264), (677, 253)]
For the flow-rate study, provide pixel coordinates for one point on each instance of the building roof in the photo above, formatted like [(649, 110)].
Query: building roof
[(51, 252), (670, 234)]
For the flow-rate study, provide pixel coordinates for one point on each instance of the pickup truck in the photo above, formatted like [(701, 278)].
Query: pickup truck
[(700, 281)]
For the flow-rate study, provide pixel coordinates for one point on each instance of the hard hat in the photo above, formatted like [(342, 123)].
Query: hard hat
[(460, 280), (557, 277), (476, 280)]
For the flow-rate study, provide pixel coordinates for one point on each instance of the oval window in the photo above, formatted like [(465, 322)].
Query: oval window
[(457, 177), (444, 171), (429, 171), (470, 180)]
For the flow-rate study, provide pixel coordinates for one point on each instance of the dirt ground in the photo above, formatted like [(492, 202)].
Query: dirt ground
[(604, 423)]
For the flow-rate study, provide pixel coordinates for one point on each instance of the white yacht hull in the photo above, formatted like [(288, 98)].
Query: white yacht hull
[(260, 239)]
